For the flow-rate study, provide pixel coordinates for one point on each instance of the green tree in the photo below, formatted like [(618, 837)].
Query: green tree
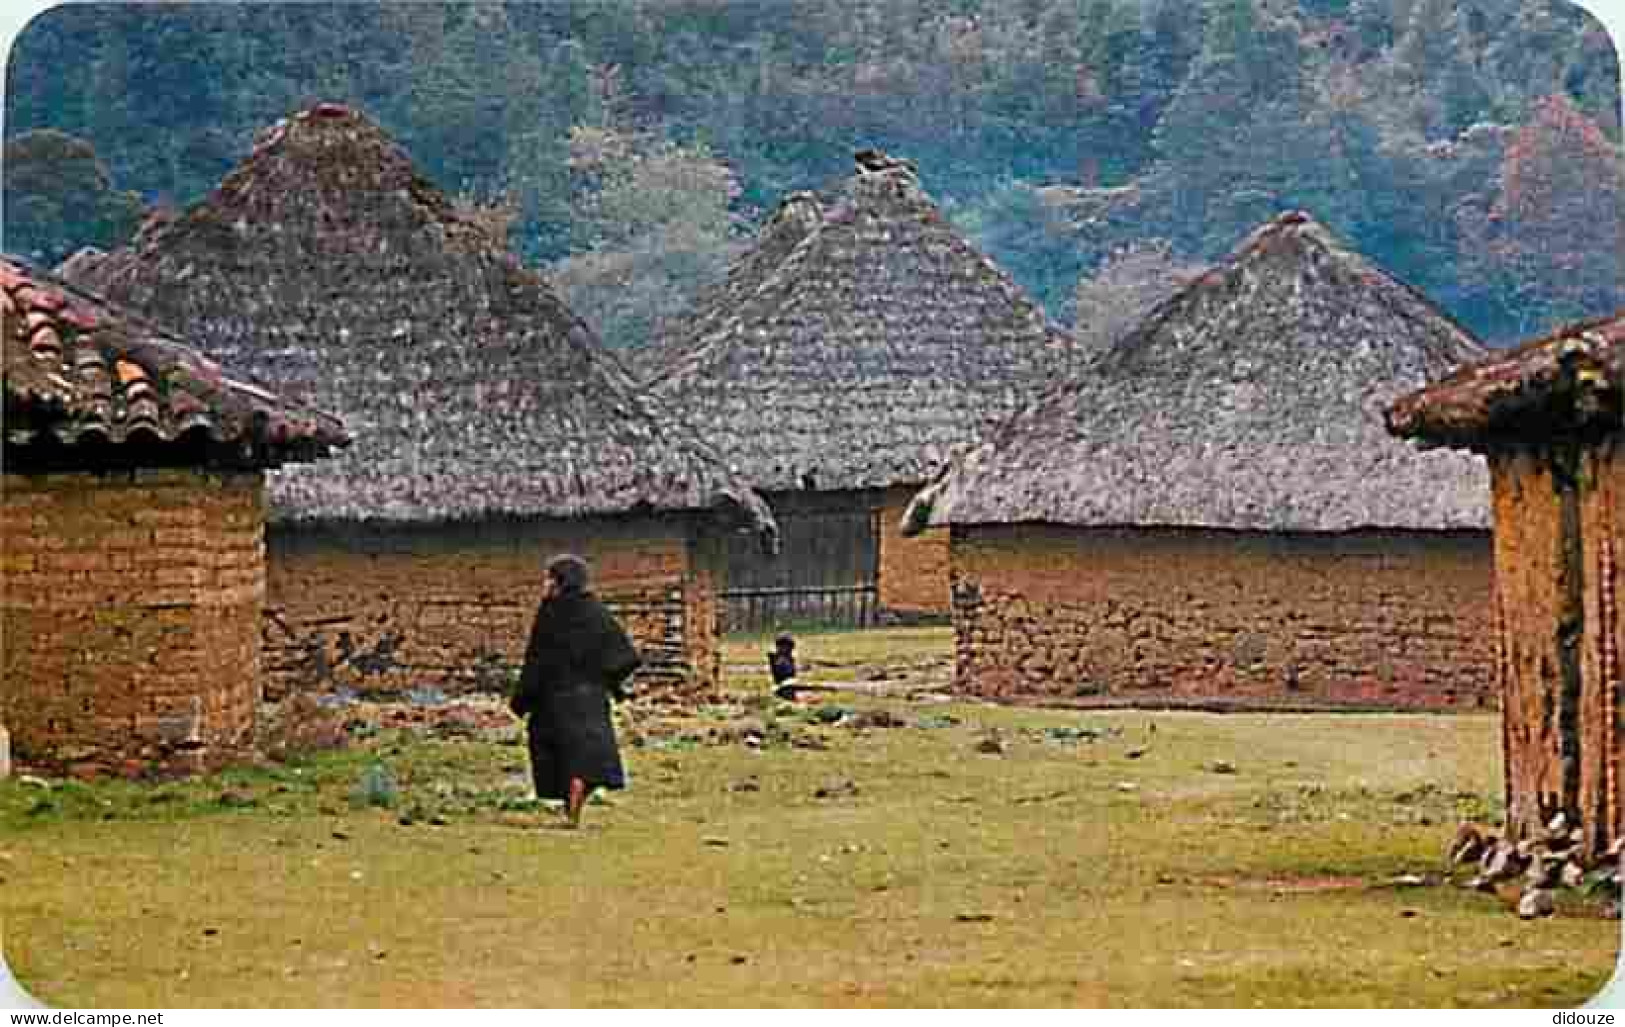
[(59, 197), (1553, 239), (652, 225)]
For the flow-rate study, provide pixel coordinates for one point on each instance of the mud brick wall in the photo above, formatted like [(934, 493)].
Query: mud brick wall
[(703, 610), (1557, 540), (1602, 731), (913, 571), (131, 613), (1114, 616), (1531, 581), (384, 610)]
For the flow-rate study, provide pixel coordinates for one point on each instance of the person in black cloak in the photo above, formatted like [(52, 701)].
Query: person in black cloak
[(577, 658)]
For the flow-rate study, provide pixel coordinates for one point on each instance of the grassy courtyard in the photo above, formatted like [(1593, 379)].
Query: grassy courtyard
[(862, 848)]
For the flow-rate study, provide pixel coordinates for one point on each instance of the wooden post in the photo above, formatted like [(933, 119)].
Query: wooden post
[(1534, 594), (1557, 511)]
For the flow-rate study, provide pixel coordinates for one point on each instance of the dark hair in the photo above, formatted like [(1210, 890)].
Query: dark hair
[(569, 571), (785, 642)]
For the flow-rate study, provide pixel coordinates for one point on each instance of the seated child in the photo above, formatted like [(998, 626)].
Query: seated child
[(782, 662)]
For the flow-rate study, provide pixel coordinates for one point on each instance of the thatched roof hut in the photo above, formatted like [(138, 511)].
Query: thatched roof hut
[(1251, 400), (325, 266), (1549, 416), (493, 429), (1213, 512), (847, 355), (133, 515), (857, 344)]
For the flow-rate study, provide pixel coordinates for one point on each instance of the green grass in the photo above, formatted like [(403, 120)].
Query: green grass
[(1060, 872)]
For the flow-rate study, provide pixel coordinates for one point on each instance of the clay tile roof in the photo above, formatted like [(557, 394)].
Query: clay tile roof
[(1568, 383), (82, 375), (857, 343), (327, 267), (1251, 400)]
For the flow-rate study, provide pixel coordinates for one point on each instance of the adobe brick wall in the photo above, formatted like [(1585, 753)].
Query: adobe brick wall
[(131, 613), (1556, 566), (913, 571), (1602, 733), (703, 607), (1530, 574), (1122, 616), (451, 606)]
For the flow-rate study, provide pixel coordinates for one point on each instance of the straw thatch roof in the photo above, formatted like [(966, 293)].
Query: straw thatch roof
[(325, 266), (1568, 384), (857, 343), (1252, 400), (89, 386)]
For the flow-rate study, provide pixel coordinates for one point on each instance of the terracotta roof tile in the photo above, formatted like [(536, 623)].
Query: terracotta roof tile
[(1567, 383), (78, 371)]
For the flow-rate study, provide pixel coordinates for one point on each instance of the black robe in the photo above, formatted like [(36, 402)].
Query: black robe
[(577, 657)]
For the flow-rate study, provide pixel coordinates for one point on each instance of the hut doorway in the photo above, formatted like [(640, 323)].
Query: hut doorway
[(827, 573)]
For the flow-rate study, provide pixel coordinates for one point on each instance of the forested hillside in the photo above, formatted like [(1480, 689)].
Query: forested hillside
[(1098, 149)]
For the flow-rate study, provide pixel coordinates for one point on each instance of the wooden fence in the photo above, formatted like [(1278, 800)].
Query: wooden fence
[(827, 571)]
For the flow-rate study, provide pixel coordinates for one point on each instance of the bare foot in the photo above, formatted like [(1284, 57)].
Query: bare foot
[(577, 799)]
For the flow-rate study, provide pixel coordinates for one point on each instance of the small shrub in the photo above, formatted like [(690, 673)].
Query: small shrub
[(375, 788)]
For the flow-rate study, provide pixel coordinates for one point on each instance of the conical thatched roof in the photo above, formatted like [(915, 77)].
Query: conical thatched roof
[(326, 267), (89, 386), (1568, 384), (1252, 399), (857, 344)]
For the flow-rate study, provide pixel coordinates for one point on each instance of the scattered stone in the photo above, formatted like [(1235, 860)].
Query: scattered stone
[(233, 798), (1502, 861), (1222, 767), (845, 788), (1544, 871), (738, 960), (1409, 913), (990, 744), (1466, 847), (31, 781), (1134, 754), (340, 836), (210, 932), (712, 840), (749, 784), (973, 918), (438, 821), (1536, 902), (1127, 786)]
